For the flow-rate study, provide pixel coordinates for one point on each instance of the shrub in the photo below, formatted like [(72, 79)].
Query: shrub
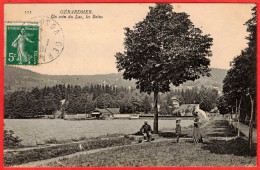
[(51, 141), (126, 136), (82, 138), (132, 138), (20, 157), (11, 140)]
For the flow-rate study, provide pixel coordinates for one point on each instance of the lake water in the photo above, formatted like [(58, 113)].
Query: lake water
[(32, 130)]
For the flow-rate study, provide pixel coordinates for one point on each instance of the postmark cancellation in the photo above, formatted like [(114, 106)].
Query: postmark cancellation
[(39, 41)]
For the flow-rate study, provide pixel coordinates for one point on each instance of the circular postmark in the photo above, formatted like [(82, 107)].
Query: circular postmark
[(51, 39)]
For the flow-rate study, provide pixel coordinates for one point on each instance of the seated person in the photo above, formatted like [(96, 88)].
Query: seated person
[(146, 130)]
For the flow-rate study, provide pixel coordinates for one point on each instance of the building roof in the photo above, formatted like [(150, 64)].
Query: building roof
[(107, 111), (175, 98), (184, 107), (103, 111), (96, 113), (113, 110)]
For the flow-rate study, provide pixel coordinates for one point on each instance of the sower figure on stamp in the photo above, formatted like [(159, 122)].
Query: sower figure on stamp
[(147, 131), (178, 128), (19, 43)]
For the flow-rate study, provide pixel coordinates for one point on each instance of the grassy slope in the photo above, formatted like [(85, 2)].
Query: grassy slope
[(25, 156), (161, 154), (215, 151)]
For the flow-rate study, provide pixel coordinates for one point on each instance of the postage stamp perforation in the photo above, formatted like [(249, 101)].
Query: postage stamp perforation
[(21, 43)]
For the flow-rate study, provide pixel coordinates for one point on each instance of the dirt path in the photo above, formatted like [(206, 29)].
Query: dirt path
[(221, 130)]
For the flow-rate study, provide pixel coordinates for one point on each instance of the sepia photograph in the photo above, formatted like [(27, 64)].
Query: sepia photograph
[(130, 85)]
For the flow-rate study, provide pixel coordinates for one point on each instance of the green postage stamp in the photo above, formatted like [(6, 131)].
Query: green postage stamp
[(22, 44)]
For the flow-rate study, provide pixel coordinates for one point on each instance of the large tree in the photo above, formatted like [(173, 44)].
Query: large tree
[(247, 62), (162, 49), (240, 83)]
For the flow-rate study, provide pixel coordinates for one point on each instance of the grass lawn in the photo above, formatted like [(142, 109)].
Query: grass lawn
[(219, 148), (21, 157), (167, 153)]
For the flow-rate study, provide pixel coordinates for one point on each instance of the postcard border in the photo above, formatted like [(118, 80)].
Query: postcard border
[(3, 2)]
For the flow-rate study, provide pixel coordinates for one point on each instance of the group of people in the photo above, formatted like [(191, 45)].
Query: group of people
[(146, 129)]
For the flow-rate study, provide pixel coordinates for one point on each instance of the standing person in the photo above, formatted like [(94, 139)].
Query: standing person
[(178, 128), (147, 131), (197, 137), (19, 43)]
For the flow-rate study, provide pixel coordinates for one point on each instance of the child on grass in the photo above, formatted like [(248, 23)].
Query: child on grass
[(178, 128)]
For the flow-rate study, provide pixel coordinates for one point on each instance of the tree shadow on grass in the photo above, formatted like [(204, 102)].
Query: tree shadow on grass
[(171, 135), (237, 146), (222, 129)]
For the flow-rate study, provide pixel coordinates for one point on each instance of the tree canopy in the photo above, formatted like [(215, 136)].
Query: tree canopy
[(241, 78), (162, 49), (240, 83)]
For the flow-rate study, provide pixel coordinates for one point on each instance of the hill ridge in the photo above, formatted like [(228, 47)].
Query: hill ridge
[(16, 78)]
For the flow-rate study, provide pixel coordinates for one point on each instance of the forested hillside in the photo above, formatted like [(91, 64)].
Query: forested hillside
[(47, 100), (21, 79)]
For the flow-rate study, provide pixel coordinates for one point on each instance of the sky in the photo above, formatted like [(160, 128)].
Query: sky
[(90, 45)]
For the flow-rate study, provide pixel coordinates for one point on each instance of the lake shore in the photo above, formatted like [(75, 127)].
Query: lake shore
[(40, 131), (220, 148)]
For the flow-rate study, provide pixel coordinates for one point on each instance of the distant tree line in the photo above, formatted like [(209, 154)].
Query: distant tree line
[(46, 101), (205, 97)]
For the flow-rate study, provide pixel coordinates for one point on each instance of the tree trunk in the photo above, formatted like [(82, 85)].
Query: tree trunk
[(155, 123), (230, 119), (234, 119), (238, 118), (250, 139), (236, 108)]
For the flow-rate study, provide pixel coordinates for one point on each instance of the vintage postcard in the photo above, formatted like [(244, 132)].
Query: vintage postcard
[(130, 84)]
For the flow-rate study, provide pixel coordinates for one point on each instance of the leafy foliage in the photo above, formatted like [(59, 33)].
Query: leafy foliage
[(206, 97), (240, 81), (162, 49), (11, 140), (46, 101), (222, 105)]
